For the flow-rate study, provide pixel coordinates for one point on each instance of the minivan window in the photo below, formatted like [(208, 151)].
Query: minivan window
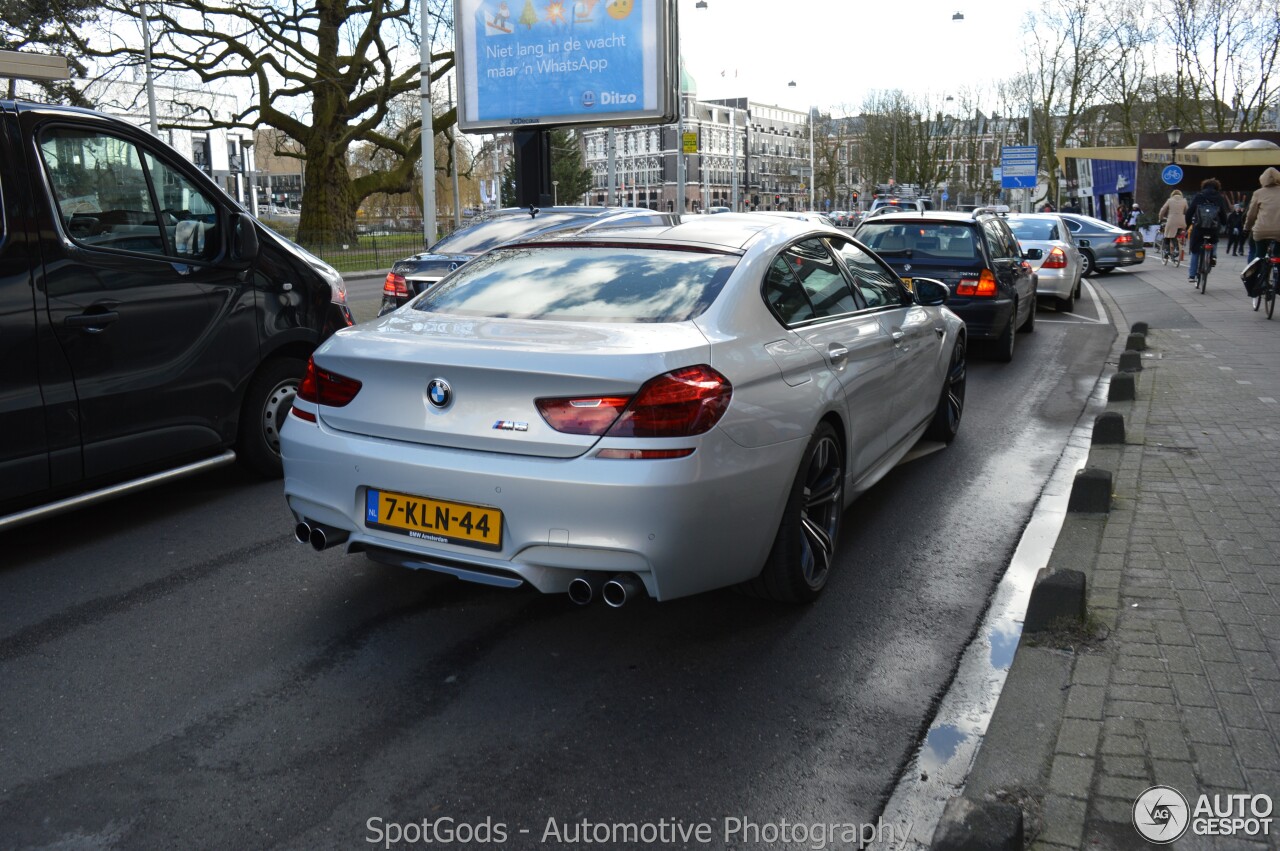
[(103, 186), (583, 283)]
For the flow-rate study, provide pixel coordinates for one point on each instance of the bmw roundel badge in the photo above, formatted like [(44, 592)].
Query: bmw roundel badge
[(439, 393)]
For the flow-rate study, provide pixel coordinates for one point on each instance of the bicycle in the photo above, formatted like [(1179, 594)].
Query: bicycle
[(1205, 262), (1271, 282), (1171, 251)]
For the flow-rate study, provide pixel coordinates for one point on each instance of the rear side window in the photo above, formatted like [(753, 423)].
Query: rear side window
[(1035, 229), (583, 283)]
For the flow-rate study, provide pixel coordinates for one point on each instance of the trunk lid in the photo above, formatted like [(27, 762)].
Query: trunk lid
[(495, 370)]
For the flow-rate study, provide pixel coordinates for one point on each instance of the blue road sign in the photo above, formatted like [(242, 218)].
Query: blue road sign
[(945, 196), (1172, 175), (1018, 166)]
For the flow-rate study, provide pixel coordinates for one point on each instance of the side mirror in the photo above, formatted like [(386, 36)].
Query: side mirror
[(1033, 254), (930, 292), (244, 240)]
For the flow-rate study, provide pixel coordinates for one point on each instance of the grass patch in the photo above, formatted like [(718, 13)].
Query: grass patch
[(1071, 634)]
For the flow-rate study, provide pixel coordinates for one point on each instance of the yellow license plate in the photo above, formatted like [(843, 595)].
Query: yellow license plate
[(1142, 255), (437, 520)]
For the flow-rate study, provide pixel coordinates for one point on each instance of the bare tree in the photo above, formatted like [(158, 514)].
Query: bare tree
[(34, 26), (902, 141), (324, 73)]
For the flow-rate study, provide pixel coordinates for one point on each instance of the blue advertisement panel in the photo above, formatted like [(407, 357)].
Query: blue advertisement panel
[(553, 62), (1113, 177)]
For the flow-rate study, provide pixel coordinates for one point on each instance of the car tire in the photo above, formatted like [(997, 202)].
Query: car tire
[(1029, 324), (803, 551), (1079, 287), (1090, 266), (946, 417), (1067, 304), (266, 404)]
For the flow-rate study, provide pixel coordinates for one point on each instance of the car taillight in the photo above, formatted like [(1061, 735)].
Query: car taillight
[(1057, 259), (680, 403), (588, 415), (1124, 239), (395, 285), (983, 287), (322, 387)]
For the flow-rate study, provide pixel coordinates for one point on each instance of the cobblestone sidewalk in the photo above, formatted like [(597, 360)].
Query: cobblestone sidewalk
[(1184, 690)]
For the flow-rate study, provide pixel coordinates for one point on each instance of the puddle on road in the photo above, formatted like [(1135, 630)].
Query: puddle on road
[(941, 765)]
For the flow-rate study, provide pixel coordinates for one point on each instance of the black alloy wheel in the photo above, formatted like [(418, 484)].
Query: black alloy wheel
[(946, 417), (804, 549)]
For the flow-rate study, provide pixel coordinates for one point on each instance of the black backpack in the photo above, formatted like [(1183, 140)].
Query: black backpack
[(1207, 216)]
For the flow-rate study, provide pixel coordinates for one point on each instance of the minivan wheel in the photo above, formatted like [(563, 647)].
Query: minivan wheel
[(266, 404), (946, 417), (800, 561)]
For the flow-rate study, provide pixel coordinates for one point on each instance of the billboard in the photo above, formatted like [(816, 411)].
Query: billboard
[(527, 64)]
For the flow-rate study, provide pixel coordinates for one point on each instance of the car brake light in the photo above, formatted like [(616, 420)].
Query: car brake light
[(395, 285), (680, 403), (590, 415), (1057, 259), (322, 387), (984, 287), (1124, 239)]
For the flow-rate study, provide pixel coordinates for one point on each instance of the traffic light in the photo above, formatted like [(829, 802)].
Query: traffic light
[(777, 199), (855, 199)]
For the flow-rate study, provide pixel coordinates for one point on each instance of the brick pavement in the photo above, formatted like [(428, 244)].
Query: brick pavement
[(1185, 689)]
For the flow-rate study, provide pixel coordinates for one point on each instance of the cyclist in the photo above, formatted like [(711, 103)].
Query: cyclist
[(1204, 225), (1263, 217), (1173, 215)]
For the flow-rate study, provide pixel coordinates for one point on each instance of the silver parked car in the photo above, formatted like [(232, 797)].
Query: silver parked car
[(1046, 243), (1104, 246), (656, 411)]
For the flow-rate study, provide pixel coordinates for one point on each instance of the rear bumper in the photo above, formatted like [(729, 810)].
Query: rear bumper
[(681, 525), (984, 318)]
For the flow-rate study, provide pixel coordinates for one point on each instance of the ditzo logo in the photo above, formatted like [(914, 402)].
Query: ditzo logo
[(612, 98)]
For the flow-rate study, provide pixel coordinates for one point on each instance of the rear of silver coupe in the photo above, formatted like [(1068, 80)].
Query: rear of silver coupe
[(607, 419)]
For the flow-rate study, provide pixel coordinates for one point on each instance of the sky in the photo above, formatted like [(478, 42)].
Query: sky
[(839, 50)]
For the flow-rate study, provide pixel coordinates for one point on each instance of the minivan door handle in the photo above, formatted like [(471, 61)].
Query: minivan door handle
[(91, 322)]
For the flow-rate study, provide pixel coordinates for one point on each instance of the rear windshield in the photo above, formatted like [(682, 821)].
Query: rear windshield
[(920, 240), (1034, 228), (578, 283), (485, 235)]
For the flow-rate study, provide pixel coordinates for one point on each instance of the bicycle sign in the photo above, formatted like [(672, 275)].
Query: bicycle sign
[(1172, 175)]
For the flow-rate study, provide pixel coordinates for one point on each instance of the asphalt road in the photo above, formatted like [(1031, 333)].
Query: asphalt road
[(176, 672)]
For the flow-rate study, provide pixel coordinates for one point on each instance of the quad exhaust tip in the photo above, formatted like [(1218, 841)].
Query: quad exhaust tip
[(320, 537), (620, 589)]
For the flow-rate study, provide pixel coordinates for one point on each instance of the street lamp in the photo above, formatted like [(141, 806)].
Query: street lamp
[(555, 193), (812, 171), (1174, 135)]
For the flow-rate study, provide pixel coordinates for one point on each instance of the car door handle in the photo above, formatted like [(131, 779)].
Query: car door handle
[(897, 337), (91, 322), (837, 352)]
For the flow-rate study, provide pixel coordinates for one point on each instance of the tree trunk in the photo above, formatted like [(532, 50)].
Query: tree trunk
[(328, 204)]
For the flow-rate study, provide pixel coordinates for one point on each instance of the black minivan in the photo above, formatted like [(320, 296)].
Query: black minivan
[(150, 327), (993, 288)]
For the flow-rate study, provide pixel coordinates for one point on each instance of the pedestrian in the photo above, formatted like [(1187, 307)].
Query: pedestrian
[(1047, 208), (1134, 215), (1235, 231), (1263, 218), (1173, 216), (1206, 217)]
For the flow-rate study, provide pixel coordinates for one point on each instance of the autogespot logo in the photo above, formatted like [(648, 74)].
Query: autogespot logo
[(1161, 815)]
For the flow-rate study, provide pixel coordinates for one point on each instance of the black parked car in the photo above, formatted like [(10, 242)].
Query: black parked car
[(414, 274), (152, 328), (993, 288)]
